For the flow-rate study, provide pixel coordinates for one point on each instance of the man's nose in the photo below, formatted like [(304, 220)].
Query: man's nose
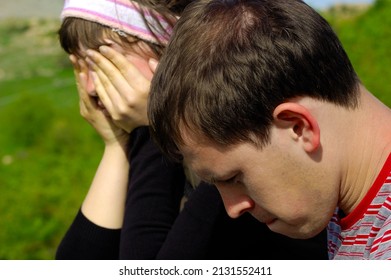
[(236, 202)]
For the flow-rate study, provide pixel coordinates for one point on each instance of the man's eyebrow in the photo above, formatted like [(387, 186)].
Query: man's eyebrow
[(206, 176)]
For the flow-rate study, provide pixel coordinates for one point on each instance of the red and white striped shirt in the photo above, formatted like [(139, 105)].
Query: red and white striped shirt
[(366, 232)]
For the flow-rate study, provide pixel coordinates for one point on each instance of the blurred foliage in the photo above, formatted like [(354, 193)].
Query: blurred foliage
[(49, 154), (366, 36)]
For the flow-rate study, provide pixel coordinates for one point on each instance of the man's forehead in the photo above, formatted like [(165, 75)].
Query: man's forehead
[(204, 157), (199, 165)]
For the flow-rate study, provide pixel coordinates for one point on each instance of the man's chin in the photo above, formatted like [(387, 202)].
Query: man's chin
[(289, 231)]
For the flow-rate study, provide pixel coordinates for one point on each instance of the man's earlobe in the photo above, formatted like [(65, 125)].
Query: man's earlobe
[(302, 125)]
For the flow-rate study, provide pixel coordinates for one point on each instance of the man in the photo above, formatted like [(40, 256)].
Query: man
[(260, 99)]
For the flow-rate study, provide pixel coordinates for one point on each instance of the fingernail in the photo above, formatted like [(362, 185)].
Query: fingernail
[(94, 76), (90, 62), (153, 64), (89, 53), (103, 49), (109, 42), (72, 58)]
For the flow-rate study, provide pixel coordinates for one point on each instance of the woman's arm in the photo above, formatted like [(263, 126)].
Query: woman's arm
[(102, 211), (105, 200)]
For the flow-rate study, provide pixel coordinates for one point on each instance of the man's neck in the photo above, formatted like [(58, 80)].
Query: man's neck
[(367, 148)]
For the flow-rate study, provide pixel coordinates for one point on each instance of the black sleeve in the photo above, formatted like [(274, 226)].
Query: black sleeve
[(155, 191), (85, 240), (191, 234)]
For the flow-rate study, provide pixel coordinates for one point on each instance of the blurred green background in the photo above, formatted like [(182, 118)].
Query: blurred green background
[(48, 153)]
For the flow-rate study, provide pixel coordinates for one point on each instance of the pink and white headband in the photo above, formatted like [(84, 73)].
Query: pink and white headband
[(122, 16)]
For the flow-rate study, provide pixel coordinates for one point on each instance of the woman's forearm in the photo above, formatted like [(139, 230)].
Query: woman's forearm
[(105, 201)]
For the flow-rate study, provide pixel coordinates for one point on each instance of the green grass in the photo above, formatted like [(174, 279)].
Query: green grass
[(48, 158), (48, 153)]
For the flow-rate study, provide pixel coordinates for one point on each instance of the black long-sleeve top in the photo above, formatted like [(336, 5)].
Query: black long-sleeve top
[(155, 227)]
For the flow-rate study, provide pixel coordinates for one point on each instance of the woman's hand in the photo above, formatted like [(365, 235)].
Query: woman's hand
[(122, 88), (91, 111)]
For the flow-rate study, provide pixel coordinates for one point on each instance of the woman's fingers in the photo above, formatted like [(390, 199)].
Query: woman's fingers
[(121, 87), (127, 70), (112, 72), (130, 83), (111, 78), (90, 106), (105, 91), (114, 90)]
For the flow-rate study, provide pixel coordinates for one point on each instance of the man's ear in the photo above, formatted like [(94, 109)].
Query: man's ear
[(302, 125)]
